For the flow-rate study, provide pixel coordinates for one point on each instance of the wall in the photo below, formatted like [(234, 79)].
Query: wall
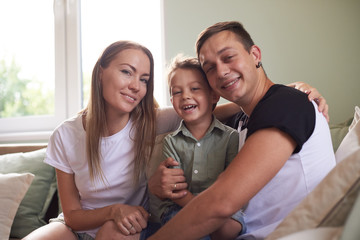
[(301, 40)]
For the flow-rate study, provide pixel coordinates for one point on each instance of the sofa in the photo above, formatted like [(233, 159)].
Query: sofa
[(28, 190), (29, 196)]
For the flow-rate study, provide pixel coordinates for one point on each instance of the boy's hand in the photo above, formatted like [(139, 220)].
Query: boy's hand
[(168, 182)]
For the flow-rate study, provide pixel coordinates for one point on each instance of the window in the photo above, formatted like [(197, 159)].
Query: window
[(27, 69), (106, 21), (48, 50)]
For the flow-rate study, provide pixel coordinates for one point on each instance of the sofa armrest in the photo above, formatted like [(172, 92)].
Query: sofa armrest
[(14, 148)]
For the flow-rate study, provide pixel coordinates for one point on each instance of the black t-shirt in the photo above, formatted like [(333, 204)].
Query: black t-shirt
[(282, 107)]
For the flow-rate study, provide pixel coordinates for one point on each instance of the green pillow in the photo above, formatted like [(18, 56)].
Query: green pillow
[(338, 132), (32, 210)]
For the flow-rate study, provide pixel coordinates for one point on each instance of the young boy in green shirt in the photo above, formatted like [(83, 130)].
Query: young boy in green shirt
[(202, 145)]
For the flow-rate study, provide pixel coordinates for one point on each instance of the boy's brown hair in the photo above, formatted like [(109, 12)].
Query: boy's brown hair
[(182, 62)]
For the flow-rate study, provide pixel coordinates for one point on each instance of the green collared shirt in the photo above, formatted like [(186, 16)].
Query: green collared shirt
[(203, 160)]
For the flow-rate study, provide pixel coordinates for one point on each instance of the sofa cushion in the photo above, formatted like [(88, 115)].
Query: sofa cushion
[(351, 142), (351, 228), (33, 208), (330, 203), (338, 132), (13, 187), (321, 233)]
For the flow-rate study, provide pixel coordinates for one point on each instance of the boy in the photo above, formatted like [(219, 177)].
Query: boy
[(202, 145)]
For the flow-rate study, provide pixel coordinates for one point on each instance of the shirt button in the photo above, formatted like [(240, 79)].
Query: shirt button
[(196, 171), (198, 144)]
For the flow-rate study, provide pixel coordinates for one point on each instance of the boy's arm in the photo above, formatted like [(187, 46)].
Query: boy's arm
[(184, 200)]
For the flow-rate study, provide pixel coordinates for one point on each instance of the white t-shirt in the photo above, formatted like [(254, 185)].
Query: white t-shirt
[(67, 152), (296, 179)]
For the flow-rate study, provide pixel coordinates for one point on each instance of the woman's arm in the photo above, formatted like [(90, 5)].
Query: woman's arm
[(78, 219), (249, 172)]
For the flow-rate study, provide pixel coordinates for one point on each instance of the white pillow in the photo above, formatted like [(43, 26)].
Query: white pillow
[(351, 141), (13, 187), (331, 201)]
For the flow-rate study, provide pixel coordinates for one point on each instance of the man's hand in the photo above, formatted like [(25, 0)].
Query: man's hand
[(168, 182)]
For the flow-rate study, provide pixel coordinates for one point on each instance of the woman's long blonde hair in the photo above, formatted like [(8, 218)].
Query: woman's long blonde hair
[(143, 116)]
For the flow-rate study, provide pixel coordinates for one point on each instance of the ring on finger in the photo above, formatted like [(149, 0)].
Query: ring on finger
[(175, 186)]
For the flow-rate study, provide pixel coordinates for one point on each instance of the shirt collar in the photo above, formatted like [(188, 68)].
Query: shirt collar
[(185, 131)]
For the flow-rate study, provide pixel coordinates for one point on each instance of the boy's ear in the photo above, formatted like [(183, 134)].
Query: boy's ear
[(215, 97)]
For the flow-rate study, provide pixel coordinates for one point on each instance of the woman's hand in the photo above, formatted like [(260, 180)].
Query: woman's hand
[(313, 94), (168, 182), (129, 219), (111, 231)]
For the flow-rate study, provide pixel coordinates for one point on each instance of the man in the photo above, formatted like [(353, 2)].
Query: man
[(287, 146)]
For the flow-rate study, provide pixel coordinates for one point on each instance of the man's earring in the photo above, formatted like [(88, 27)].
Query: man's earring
[(259, 65)]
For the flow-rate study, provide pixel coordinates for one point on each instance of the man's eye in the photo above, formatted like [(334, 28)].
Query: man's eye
[(209, 69), (229, 58), (176, 93), (195, 88)]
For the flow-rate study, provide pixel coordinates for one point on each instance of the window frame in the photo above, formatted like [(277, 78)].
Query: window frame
[(68, 97), (68, 84)]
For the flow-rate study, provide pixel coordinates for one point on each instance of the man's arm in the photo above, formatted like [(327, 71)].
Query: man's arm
[(162, 182), (249, 172)]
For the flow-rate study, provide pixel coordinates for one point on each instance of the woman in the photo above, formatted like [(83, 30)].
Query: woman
[(100, 155)]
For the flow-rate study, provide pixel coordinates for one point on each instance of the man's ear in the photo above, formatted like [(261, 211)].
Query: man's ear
[(255, 53)]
